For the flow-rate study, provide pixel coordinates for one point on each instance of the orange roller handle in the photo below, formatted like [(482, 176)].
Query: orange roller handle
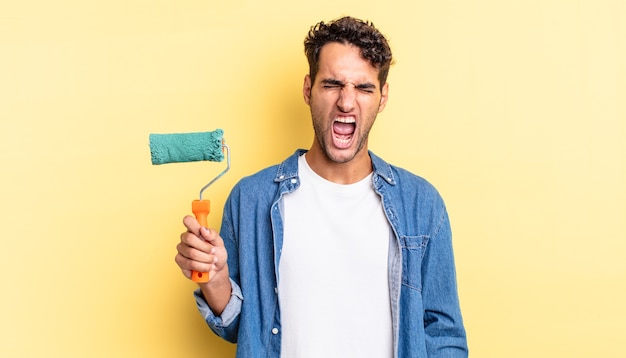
[(200, 209)]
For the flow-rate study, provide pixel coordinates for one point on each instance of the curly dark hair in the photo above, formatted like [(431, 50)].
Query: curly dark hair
[(349, 30)]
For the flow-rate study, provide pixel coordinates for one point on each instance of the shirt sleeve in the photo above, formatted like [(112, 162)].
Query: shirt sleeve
[(226, 325), (445, 332)]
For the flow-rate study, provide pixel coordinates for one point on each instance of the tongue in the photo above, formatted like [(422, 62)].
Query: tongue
[(343, 128)]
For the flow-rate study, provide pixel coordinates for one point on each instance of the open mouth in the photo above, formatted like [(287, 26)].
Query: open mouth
[(343, 131)]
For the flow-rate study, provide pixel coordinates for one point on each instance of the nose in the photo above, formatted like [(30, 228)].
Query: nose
[(347, 98)]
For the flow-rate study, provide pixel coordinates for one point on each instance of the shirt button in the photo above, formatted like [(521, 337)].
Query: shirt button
[(293, 181), (274, 330)]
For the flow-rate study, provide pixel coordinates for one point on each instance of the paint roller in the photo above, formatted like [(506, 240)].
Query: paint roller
[(192, 147)]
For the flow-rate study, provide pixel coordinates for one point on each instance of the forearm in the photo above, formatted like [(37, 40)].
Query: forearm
[(217, 292)]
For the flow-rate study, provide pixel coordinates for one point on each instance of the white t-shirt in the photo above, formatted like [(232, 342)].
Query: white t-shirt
[(333, 283)]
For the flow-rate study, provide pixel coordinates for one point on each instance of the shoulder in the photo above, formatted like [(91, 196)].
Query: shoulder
[(269, 178), (402, 179), (256, 183), (407, 178)]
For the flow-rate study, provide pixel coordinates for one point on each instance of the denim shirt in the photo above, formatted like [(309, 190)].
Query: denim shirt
[(425, 308)]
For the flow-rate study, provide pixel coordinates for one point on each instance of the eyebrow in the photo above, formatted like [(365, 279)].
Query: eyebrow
[(334, 82)]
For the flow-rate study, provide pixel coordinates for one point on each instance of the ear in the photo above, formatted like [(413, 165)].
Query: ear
[(306, 89), (384, 97)]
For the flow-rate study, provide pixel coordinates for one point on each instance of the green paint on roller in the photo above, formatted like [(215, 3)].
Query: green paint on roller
[(186, 147), (192, 147)]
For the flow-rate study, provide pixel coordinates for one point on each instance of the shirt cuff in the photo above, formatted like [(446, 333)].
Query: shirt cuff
[(231, 311)]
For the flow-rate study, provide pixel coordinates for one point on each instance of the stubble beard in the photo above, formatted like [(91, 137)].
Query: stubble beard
[(324, 135)]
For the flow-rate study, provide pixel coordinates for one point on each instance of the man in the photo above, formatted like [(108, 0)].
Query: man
[(334, 252)]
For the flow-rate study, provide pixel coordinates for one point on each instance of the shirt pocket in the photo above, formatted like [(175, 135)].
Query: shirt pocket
[(413, 249)]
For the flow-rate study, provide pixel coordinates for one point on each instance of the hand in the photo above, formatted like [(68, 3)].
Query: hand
[(201, 249)]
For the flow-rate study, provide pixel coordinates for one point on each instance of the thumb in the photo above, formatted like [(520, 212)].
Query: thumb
[(211, 236)]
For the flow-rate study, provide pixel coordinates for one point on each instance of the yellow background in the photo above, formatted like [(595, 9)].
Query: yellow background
[(515, 110)]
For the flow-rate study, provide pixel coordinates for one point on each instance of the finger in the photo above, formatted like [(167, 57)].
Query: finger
[(203, 252), (196, 248), (192, 224), (193, 240), (220, 255), (212, 237), (187, 266)]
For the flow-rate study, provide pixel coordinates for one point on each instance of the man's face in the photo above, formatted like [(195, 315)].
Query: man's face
[(344, 102)]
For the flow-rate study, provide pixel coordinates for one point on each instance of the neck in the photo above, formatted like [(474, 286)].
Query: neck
[(341, 173)]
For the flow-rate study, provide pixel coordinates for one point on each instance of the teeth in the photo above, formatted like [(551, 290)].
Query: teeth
[(345, 120)]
